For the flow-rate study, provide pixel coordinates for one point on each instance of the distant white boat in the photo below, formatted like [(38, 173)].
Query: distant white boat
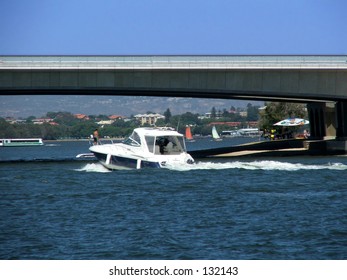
[(230, 133), (21, 142), (215, 134), (249, 132)]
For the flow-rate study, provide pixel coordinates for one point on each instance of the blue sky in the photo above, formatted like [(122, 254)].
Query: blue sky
[(157, 27)]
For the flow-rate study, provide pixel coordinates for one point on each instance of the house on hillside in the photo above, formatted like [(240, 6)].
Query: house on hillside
[(81, 117), (115, 117), (150, 119), (103, 122), (42, 121)]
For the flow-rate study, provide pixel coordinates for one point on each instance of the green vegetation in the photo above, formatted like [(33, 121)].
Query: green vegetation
[(65, 125), (277, 111)]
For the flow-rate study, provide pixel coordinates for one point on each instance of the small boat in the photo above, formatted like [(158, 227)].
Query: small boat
[(145, 147), (215, 134), (189, 136), (21, 142)]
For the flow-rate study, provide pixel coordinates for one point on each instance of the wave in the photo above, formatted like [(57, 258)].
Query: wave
[(249, 165), (93, 167), (52, 145), (259, 165)]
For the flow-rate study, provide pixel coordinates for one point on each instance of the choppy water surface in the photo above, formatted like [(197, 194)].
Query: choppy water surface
[(255, 208)]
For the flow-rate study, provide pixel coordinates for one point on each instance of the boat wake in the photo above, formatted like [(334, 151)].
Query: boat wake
[(93, 167), (258, 165), (247, 165), (52, 145)]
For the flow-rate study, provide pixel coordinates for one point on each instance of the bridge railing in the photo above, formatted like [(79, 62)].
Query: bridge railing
[(173, 62)]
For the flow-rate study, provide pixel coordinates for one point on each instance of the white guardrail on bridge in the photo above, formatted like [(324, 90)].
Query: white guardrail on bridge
[(172, 62)]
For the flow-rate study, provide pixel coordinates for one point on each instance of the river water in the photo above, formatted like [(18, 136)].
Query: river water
[(56, 207)]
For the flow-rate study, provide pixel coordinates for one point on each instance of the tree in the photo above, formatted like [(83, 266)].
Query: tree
[(213, 113), (225, 113), (6, 130), (65, 118), (30, 119), (252, 112), (167, 115), (189, 118), (161, 123), (276, 111), (49, 132), (83, 129)]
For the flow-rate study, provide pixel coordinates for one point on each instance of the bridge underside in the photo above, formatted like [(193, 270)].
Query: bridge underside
[(285, 84), (215, 94)]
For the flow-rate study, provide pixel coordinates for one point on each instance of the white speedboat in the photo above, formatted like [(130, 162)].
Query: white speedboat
[(145, 147)]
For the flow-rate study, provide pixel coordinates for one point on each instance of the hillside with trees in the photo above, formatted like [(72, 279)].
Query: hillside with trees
[(65, 125)]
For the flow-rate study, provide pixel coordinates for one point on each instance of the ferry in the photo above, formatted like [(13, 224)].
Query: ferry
[(244, 132), (249, 132), (21, 142)]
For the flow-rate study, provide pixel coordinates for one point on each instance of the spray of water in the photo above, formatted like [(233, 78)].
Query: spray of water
[(247, 165), (93, 167), (264, 165)]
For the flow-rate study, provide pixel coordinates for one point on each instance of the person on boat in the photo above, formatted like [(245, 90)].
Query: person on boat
[(162, 142), (272, 134), (96, 136), (306, 134)]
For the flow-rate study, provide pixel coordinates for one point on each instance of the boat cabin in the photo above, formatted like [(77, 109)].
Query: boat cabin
[(158, 142)]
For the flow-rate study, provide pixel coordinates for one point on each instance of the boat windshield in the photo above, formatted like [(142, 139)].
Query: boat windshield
[(150, 141), (133, 140), (168, 145)]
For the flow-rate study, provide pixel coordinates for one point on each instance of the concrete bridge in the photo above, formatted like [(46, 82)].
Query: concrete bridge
[(319, 81)]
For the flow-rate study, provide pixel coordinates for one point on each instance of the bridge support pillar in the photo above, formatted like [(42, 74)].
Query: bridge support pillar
[(322, 120), (328, 122), (341, 119)]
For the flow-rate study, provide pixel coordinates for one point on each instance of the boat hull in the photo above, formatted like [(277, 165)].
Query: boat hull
[(114, 162)]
